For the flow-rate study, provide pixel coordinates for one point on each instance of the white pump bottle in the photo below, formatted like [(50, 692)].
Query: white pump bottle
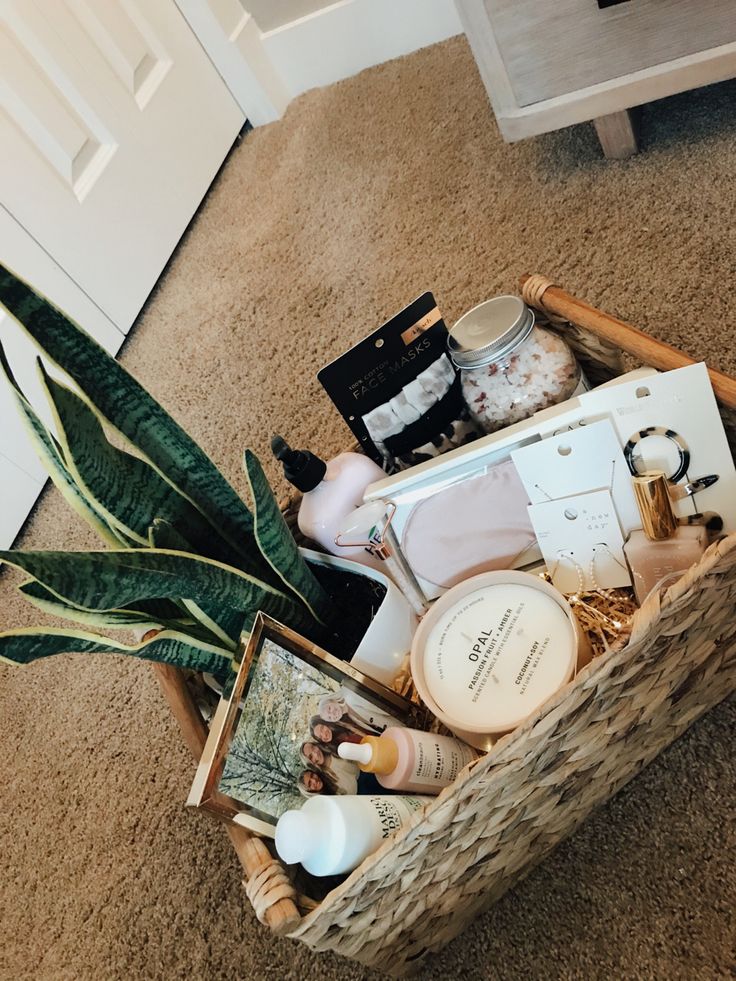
[(332, 835), (331, 491)]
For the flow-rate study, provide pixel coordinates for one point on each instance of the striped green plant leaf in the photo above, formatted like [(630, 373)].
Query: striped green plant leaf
[(210, 619), (162, 534), (126, 490), (28, 644), (140, 617), (51, 457), (101, 581), (224, 623), (277, 544), (128, 407)]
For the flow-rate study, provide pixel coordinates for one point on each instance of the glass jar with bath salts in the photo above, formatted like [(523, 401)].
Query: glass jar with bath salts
[(510, 367)]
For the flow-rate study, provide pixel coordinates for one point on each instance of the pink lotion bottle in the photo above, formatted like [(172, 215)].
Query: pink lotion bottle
[(408, 759), (330, 492)]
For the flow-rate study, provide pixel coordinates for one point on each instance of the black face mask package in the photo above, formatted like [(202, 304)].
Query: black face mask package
[(399, 392)]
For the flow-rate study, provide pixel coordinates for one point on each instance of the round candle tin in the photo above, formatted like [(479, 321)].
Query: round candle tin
[(491, 650)]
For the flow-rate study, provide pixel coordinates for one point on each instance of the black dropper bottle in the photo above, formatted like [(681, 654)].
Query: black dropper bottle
[(301, 468)]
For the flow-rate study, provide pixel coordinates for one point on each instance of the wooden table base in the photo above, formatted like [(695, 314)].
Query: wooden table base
[(618, 134)]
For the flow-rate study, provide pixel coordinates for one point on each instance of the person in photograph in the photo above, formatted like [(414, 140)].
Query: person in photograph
[(353, 712), (343, 772), (313, 784), (329, 735)]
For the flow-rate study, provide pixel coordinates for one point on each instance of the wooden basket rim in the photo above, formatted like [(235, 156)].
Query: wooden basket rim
[(559, 307), (535, 290)]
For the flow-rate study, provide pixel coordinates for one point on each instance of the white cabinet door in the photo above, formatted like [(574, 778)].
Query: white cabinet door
[(114, 123), (21, 474), (18, 491)]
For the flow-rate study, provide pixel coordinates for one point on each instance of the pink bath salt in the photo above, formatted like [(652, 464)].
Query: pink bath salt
[(477, 525)]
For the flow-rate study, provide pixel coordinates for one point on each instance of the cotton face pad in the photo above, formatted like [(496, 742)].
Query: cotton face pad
[(476, 525)]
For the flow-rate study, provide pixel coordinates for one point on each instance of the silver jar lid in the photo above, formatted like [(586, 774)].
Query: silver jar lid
[(489, 331)]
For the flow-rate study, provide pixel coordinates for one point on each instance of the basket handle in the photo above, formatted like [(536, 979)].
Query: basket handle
[(540, 292), (267, 885)]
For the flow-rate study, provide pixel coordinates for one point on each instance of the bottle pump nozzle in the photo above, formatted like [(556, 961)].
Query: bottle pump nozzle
[(358, 753), (301, 468), (373, 754)]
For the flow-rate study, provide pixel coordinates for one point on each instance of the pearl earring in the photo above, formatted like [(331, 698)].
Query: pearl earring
[(594, 582), (578, 569)]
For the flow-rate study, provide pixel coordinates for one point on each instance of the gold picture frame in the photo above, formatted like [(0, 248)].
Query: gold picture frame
[(295, 653)]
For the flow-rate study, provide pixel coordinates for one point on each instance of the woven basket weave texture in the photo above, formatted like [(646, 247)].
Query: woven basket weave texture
[(509, 809)]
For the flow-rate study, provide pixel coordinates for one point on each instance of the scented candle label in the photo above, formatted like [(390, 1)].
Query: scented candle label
[(497, 654)]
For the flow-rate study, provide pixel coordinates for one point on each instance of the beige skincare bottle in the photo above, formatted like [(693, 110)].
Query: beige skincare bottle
[(662, 547), (407, 759)]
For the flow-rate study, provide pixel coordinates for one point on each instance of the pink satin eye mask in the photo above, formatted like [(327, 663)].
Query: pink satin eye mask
[(474, 526)]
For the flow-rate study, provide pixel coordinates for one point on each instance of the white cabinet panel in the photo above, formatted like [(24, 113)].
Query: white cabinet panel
[(21, 474), (232, 39), (114, 124), (553, 49), (21, 253), (18, 493), (15, 444)]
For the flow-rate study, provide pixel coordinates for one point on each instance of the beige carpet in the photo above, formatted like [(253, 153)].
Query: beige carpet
[(319, 227)]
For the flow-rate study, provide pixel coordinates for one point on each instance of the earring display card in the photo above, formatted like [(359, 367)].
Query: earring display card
[(668, 422), (581, 542), (585, 459)]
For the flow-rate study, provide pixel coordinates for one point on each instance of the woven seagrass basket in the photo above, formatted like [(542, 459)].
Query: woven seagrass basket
[(506, 811)]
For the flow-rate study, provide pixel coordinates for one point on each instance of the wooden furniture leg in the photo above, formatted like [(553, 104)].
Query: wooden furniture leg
[(281, 915), (617, 134)]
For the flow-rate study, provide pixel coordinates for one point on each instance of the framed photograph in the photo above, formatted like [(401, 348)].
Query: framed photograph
[(274, 742)]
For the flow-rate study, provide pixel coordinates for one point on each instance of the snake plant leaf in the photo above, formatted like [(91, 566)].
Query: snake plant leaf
[(224, 623), (162, 534), (277, 544), (28, 644), (128, 407), (51, 457), (102, 581), (125, 489), (135, 617)]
